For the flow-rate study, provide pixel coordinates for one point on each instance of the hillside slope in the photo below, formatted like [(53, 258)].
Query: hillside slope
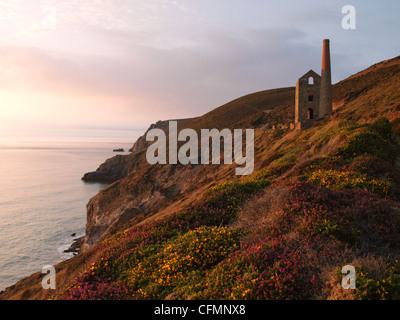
[(319, 199)]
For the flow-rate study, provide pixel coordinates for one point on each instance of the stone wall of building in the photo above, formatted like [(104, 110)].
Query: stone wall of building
[(307, 97)]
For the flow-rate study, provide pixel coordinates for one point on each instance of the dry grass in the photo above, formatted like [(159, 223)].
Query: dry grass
[(264, 212)]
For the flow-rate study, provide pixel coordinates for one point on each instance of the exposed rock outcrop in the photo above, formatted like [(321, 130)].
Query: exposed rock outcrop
[(76, 245), (110, 171)]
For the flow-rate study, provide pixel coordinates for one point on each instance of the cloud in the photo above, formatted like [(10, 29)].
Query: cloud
[(169, 82)]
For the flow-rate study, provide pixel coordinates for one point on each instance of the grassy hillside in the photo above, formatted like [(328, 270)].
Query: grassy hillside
[(318, 200), (268, 237)]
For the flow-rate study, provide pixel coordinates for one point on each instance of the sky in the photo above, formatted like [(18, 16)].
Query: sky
[(105, 70)]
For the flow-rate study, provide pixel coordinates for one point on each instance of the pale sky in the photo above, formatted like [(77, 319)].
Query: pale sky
[(108, 69)]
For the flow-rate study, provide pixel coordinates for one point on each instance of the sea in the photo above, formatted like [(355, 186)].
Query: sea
[(43, 201)]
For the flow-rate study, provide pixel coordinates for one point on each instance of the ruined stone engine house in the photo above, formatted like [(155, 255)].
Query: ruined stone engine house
[(314, 93)]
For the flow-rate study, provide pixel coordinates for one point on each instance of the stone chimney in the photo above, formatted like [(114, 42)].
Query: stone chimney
[(325, 106)]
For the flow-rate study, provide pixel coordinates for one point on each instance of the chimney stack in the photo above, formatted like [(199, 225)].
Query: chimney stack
[(325, 107)]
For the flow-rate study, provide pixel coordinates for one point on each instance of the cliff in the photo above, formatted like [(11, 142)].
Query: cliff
[(314, 195)]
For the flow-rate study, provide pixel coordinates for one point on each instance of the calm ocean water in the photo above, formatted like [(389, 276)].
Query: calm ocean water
[(43, 201)]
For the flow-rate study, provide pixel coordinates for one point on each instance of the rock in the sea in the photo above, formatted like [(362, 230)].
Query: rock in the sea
[(75, 246)]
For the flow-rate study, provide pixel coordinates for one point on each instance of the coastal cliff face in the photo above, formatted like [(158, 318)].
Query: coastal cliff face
[(344, 165), (153, 192)]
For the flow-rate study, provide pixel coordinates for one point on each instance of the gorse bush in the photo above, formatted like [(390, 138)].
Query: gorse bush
[(349, 180), (197, 250), (375, 139), (348, 125), (364, 143), (288, 157), (231, 195), (383, 128)]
